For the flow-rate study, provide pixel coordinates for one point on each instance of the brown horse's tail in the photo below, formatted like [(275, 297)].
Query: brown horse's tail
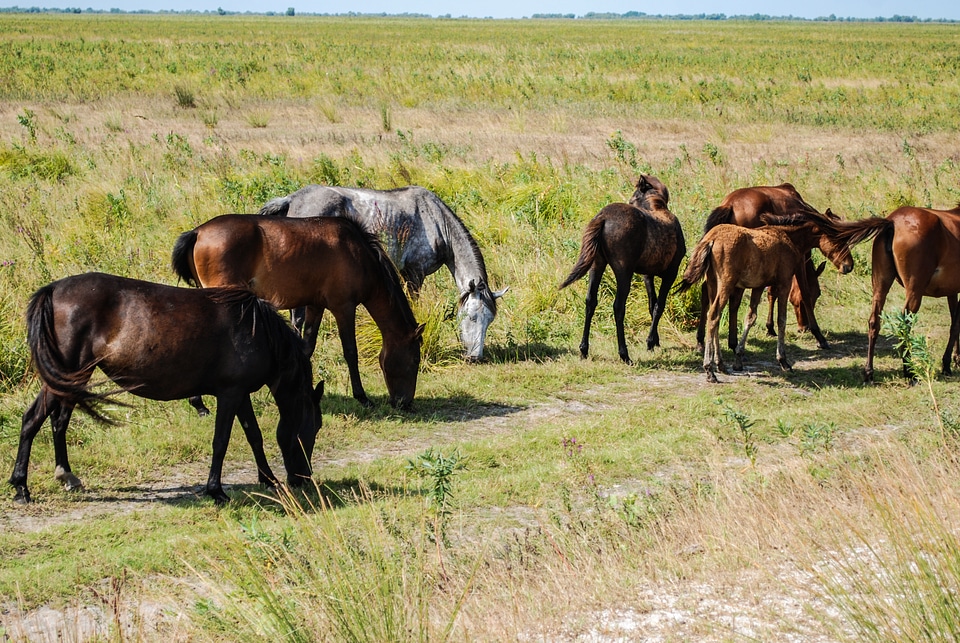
[(850, 233), (182, 258), (722, 214), (589, 249), (697, 268), (71, 386)]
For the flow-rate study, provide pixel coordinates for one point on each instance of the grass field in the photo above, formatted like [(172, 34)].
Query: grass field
[(536, 495)]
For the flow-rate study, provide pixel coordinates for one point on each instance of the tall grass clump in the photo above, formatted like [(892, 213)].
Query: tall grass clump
[(324, 577)]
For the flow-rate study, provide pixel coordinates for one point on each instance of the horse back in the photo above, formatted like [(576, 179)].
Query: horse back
[(746, 205), (646, 243), (158, 341)]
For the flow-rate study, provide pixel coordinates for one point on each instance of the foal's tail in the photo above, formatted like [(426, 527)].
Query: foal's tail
[(722, 214), (182, 258), (278, 207), (589, 250), (70, 386), (697, 267)]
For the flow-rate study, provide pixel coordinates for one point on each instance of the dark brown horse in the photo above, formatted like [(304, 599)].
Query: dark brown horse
[(321, 263), (746, 207), (166, 343), (640, 237), (732, 257), (920, 249)]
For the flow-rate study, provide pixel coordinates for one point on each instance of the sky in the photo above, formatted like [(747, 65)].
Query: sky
[(949, 9)]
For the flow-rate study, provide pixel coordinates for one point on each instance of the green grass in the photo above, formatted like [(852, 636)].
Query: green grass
[(527, 129)]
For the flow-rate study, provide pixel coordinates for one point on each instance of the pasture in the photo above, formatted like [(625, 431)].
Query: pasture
[(535, 495)]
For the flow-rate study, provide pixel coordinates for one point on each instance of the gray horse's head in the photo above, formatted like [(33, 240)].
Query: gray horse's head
[(478, 307)]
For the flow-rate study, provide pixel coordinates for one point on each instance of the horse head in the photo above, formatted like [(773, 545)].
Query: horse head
[(649, 187), (833, 246), (478, 307), (400, 363)]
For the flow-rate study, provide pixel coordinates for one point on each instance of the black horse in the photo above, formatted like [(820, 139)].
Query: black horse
[(640, 237), (166, 343)]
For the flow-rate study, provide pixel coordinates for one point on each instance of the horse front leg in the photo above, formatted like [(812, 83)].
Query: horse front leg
[(251, 429), (227, 407), (666, 282), (733, 317), (702, 322), (347, 328), (771, 328), (619, 313), (755, 296), (33, 418), (782, 302), (593, 287)]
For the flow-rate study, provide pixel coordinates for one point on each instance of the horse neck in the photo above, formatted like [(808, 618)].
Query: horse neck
[(803, 237), (465, 261), (391, 313)]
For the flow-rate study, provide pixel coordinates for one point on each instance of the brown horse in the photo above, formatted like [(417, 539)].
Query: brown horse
[(640, 237), (321, 263), (732, 257), (745, 207), (920, 249), (166, 343)]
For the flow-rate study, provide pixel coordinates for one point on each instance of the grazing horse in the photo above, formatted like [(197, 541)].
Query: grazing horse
[(745, 207), (731, 257), (166, 343), (640, 237), (421, 234), (920, 249), (320, 263)]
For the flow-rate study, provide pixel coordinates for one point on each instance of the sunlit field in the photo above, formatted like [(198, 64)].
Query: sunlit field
[(536, 495)]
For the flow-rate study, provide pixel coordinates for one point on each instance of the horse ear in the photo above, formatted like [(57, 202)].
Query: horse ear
[(642, 183), (500, 293), (419, 331), (318, 392), (471, 286), (819, 270)]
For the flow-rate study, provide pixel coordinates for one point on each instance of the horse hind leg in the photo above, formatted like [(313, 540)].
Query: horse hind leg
[(593, 287), (782, 303), (656, 311), (952, 344), (733, 316), (33, 418), (63, 474), (619, 313)]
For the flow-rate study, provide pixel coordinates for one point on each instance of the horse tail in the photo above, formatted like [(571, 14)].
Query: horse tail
[(589, 251), (278, 207), (699, 263), (850, 233), (721, 214), (182, 257), (71, 386)]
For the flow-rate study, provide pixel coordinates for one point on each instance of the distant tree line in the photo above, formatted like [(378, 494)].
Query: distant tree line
[(591, 15)]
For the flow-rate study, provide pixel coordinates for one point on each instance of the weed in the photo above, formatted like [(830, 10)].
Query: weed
[(185, 97), (28, 120), (744, 426)]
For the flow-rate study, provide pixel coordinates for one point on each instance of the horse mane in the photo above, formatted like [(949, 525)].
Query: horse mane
[(285, 344), (391, 278)]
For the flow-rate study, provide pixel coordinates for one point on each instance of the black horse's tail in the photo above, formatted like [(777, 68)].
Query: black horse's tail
[(182, 258), (697, 268), (589, 250), (71, 386), (722, 214), (278, 207)]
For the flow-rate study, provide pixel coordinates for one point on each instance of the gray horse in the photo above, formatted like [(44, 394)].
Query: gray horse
[(420, 233)]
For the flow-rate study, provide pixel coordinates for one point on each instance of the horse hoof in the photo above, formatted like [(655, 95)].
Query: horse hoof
[(22, 497), (626, 360), (220, 498), (823, 345), (69, 481), (771, 332), (738, 366), (785, 365), (712, 378), (365, 402)]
